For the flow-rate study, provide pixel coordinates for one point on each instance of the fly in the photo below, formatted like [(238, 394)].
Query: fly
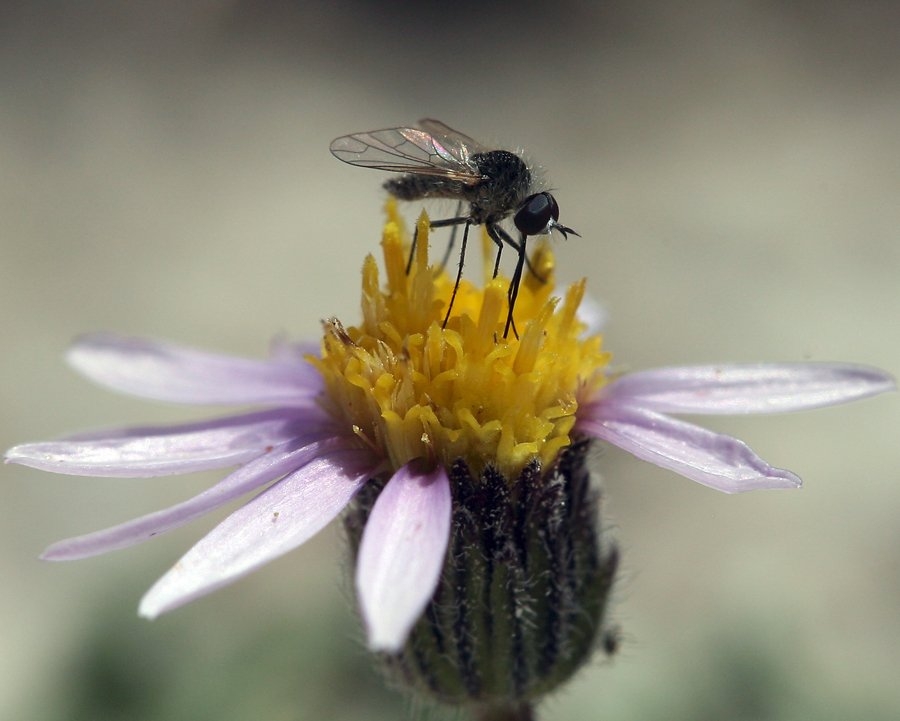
[(439, 162)]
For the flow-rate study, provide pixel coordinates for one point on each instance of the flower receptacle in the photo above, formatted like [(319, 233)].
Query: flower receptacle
[(521, 602)]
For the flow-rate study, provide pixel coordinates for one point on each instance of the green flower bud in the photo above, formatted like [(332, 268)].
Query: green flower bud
[(521, 601)]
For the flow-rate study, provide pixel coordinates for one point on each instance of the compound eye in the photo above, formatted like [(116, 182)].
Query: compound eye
[(536, 214)]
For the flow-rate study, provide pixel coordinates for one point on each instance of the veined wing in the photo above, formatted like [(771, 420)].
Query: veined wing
[(408, 150), (455, 142)]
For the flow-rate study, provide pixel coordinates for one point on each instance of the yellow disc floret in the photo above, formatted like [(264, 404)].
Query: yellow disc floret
[(414, 389)]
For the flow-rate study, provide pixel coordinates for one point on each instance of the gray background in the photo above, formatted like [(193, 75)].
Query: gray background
[(734, 169)]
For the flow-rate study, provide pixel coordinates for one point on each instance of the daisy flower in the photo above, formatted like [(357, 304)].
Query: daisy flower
[(432, 441)]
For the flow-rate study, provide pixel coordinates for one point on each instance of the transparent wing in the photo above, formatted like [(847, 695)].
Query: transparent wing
[(451, 138), (408, 150)]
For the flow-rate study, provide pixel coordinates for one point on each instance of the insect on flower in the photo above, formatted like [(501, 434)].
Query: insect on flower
[(439, 162)]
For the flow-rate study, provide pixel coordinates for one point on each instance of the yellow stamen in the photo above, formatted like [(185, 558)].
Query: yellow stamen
[(416, 389)]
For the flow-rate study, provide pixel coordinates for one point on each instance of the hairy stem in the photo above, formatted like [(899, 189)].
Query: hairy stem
[(513, 712)]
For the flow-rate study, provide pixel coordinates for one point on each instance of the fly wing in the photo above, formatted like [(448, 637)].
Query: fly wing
[(452, 139), (407, 150)]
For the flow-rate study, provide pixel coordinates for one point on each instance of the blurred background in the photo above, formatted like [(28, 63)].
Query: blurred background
[(734, 170)]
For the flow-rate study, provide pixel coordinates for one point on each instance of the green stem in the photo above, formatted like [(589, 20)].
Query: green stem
[(513, 712)]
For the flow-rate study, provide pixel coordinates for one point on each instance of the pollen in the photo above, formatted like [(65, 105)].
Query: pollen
[(411, 387)]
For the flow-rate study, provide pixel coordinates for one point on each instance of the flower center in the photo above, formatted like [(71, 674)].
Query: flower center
[(414, 389)]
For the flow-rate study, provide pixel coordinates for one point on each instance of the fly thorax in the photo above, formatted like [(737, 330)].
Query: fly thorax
[(506, 183)]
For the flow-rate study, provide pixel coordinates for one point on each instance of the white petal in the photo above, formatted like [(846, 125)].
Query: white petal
[(143, 452), (170, 372), (278, 520), (713, 459), (593, 314), (258, 472), (402, 553), (738, 389)]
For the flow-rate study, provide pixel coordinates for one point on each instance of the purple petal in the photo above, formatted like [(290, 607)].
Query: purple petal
[(713, 459), (160, 451), (256, 473), (402, 553), (276, 521), (169, 372), (737, 389)]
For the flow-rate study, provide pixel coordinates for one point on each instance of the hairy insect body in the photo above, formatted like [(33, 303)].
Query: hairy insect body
[(416, 187), (504, 185)]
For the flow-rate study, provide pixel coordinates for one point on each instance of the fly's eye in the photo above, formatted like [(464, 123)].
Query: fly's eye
[(537, 213)]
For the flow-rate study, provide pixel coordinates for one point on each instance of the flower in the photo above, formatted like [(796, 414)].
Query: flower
[(401, 405)]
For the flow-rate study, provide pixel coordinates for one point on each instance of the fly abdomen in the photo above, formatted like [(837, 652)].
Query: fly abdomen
[(416, 187)]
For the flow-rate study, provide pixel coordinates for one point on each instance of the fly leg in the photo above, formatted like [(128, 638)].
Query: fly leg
[(452, 238), (513, 291), (500, 237), (437, 224), (455, 222)]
